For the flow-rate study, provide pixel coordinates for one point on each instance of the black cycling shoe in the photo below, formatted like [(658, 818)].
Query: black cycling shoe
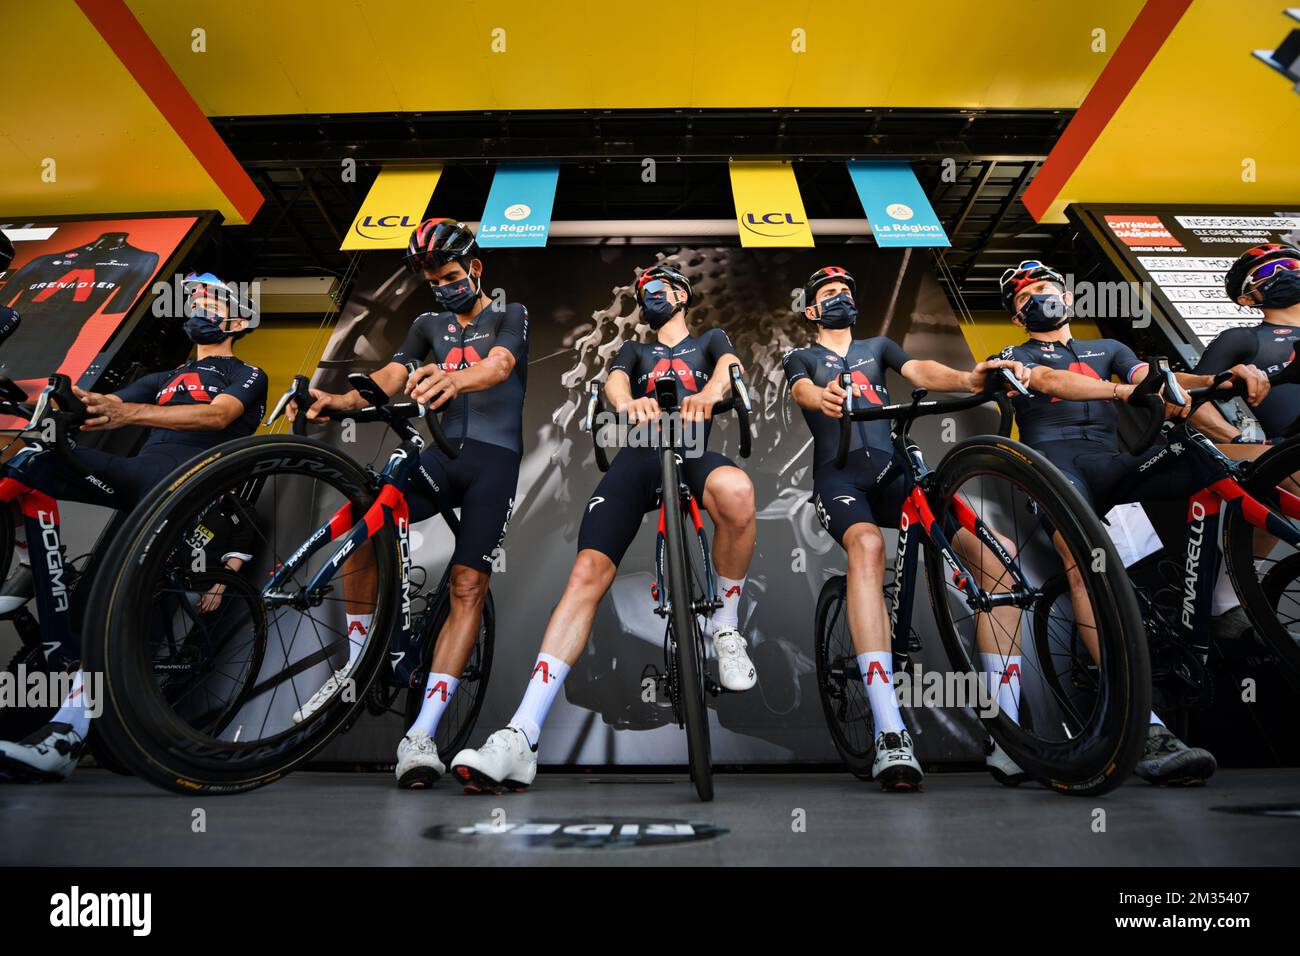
[(1168, 762)]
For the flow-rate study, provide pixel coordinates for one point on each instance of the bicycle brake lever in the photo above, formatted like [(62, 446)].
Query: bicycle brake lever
[(41, 408), (593, 402), (1017, 386)]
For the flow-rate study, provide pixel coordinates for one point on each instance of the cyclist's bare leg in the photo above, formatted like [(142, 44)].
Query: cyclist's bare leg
[(997, 632), (729, 500), (570, 624), (1084, 621), (468, 588), (868, 617)]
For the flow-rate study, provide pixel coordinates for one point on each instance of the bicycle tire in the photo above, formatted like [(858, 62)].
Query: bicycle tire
[(1103, 754), (449, 738), (1257, 601), (151, 740), (687, 640), (830, 608)]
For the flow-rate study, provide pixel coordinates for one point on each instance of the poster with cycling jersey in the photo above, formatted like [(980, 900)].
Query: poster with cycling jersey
[(74, 283), (581, 306), (1183, 253)]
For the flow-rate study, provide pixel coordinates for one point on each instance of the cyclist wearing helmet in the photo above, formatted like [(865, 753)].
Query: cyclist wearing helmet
[(1266, 277), (209, 400), (854, 502), (478, 372), (8, 317), (700, 366), (1070, 417)]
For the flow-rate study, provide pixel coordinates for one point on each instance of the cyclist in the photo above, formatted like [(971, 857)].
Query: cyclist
[(1070, 417), (700, 366), (479, 371), (8, 317), (1266, 277), (854, 502), (210, 399)]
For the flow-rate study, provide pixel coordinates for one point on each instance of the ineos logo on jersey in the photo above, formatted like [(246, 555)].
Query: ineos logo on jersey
[(593, 502), (845, 499), (597, 833)]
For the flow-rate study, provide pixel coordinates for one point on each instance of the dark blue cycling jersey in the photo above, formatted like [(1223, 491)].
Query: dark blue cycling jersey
[(495, 415), (690, 362), (1044, 418), (866, 362), (1271, 348), (198, 382)]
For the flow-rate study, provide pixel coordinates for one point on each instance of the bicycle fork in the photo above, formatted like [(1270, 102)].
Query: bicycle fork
[(49, 572)]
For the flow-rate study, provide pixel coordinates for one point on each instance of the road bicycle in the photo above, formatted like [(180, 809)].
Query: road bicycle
[(1025, 522), (332, 538), (1245, 513), (683, 589)]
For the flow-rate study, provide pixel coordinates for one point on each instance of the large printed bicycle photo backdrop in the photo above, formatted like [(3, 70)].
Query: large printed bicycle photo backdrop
[(576, 325)]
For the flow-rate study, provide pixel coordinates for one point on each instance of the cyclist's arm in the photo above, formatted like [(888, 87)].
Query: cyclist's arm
[(807, 395), (106, 412), (1073, 387), (493, 370), (618, 388), (719, 386)]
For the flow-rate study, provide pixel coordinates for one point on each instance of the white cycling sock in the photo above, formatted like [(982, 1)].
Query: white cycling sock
[(877, 669), (74, 709), (437, 692), (548, 675), (1225, 596), (1003, 675), (729, 594), (358, 628)]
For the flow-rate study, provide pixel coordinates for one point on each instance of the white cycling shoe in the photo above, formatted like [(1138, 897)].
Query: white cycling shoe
[(1004, 770), (49, 755), (319, 699), (418, 765), (735, 669), (896, 768), (504, 762)]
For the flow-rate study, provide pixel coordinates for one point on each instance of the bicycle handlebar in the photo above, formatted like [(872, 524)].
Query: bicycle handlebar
[(666, 395), (379, 409), (918, 408)]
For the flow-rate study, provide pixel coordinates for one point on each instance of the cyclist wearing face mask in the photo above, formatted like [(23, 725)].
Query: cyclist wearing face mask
[(700, 365), (1070, 417), (1266, 277), (854, 502), (478, 371), (209, 400)]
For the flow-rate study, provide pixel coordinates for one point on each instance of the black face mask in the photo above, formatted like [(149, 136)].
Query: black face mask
[(204, 331), (657, 310), (458, 296), (1045, 312), (837, 312), (1282, 291)]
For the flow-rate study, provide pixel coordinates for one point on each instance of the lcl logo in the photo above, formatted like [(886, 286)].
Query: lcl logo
[(382, 222), (771, 224)]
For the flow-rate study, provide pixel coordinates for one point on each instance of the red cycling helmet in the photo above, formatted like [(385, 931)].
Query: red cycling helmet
[(1027, 273), (824, 275), (667, 274), (1245, 276), (435, 242)]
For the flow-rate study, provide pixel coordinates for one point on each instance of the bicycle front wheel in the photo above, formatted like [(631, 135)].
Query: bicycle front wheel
[(1081, 733), (688, 642), (225, 696)]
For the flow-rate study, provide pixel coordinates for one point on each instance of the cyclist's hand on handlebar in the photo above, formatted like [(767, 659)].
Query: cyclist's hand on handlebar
[(833, 399), (1255, 381), (103, 412), (699, 406), (640, 410), (212, 599), (431, 385), (323, 403), (980, 377)]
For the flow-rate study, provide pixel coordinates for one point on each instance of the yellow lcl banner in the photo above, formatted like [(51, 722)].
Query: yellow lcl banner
[(393, 207), (769, 209)]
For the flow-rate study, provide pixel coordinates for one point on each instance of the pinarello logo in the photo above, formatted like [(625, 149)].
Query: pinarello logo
[(518, 211), (900, 211)]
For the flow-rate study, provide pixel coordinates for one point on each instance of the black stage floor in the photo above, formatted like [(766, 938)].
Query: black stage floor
[(310, 818)]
